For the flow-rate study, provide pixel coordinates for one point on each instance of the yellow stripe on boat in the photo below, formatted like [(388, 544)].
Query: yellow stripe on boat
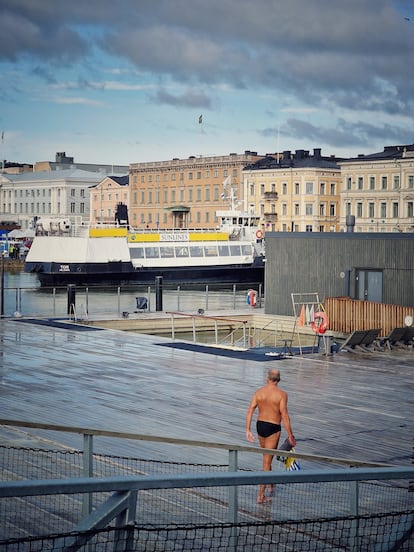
[(175, 237), (108, 232)]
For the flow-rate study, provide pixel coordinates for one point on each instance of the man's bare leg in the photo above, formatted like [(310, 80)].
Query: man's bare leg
[(270, 442)]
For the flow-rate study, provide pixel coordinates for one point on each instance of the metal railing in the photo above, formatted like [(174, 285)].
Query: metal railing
[(126, 491)]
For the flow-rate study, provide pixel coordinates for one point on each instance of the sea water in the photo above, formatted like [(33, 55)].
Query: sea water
[(23, 296)]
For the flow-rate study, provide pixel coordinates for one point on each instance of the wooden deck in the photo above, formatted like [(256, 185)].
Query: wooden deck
[(355, 405)]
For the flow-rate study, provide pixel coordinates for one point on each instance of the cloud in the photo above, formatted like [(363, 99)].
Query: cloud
[(343, 134), (190, 98)]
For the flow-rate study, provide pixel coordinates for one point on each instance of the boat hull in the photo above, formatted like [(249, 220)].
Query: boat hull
[(122, 273)]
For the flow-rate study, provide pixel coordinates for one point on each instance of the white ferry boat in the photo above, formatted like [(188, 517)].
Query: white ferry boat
[(232, 253)]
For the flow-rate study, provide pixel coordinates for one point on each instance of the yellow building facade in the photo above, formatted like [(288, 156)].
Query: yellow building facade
[(185, 193), (378, 190), (294, 192), (105, 197)]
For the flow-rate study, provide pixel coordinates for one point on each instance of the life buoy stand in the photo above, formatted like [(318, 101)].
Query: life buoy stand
[(259, 234), (251, 297), (320, 323)]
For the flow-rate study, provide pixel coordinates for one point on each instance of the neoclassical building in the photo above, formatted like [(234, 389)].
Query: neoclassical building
[(182, 193), (294, 192), (105, 198), (378, 190)]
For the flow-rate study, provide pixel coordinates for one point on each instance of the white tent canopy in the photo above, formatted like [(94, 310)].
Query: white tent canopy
[(16, 234)]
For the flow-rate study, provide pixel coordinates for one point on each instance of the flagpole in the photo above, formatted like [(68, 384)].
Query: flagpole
[(200, 124)]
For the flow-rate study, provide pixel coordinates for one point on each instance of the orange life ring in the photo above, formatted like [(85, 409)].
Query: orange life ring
[(259, 234), (251, 298), (323, 323)]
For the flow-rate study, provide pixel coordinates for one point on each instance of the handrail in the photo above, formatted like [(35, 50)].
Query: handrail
[(188, 442), (180, 481)]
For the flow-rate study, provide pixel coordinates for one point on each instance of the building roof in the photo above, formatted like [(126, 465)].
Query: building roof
[(47, 176), (299, 159), (389, 152)]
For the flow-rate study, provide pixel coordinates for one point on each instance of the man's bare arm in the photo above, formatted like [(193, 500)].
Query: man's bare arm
[(286, 420), (249, 416)]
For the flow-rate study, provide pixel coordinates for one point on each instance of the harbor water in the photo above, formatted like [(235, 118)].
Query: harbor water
[(23, 296)]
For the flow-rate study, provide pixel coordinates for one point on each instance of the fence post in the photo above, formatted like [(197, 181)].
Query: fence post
[(87, 471), (233, 502), (354, 511)]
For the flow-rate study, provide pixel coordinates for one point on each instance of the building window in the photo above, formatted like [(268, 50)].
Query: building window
[(173, 195), (410, 211), (332, 210), (347, 209), (262, 188), (251, 187), (309, 187), (284, 209), (165, 194), (297, 209), (198, 175), (207, 217), (72, 208), (81, 208), (322, 210), (72, 192), (360, 182), (383, 210), (395, 210), (333, 188), (297, 188), (284, 188), (371, 210), (396, 182), (384, 183), (273, 187), (173, 177), (190, 195), (411, 181), (216, 193), (82, 193), (359, 210), (142, 197), (181, 194), (142, 179), (309, 209), (323, 186), (198, 195), (372, 182), (348, 183), (207, 192), (149, 196), (190, 176), (308, 228), (235, 173)]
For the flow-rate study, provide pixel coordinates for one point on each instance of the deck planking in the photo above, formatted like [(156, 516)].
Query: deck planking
[(356, 405)]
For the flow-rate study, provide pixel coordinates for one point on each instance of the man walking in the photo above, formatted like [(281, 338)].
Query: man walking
[(271, 403)]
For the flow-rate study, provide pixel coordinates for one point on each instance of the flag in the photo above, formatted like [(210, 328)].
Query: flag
[(2, 136), (200, 119), (301, 321), (227, 181)]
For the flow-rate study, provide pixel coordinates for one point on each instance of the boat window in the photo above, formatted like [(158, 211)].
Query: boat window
[(196, 251), (224, 250), (246, 249), (152, 252), (210, 250), (235, 250), (167, 252), (137, 252), (181, 251)]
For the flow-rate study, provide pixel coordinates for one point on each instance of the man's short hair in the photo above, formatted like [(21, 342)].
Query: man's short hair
[(273, 375)]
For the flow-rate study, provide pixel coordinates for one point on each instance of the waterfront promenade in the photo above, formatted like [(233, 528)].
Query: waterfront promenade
[(349, 405)]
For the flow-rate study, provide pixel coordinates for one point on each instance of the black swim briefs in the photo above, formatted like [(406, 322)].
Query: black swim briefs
[(266, 429)]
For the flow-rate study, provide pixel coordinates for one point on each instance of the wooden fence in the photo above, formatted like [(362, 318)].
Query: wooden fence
[(347, 315)]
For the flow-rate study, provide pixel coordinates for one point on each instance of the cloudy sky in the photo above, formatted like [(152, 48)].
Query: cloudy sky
[(126, 81)]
